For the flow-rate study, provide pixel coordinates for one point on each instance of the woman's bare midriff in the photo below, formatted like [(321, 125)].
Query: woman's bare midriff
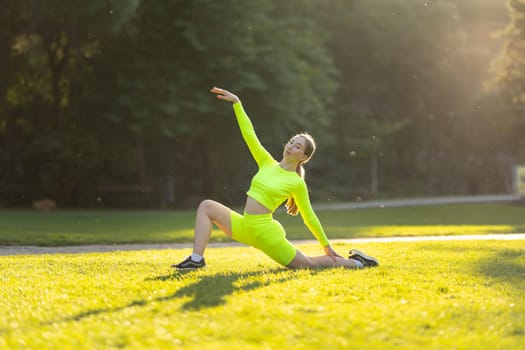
[(255, 208)]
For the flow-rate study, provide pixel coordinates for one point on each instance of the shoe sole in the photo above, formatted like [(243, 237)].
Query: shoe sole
[(370, 261), (188, 268)]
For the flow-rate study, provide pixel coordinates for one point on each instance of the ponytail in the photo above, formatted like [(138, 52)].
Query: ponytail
[(291, 206)]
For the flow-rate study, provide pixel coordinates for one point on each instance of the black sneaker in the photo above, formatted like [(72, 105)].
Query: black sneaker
[(189, 264), (367, 260)]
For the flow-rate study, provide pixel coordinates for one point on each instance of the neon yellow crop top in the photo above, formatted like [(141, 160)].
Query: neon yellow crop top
[(272, 184)]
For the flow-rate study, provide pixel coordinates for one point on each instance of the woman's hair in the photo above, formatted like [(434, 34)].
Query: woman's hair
[(309, 149)]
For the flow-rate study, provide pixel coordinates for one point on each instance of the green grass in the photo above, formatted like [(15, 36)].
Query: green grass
[(90, 227), (431, 295)]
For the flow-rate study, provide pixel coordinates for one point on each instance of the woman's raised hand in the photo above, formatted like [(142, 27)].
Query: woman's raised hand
[(225, 95)]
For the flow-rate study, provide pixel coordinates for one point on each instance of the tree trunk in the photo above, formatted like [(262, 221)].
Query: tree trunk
[(141, 160), (57, 44), (374, 174), (207, 167)]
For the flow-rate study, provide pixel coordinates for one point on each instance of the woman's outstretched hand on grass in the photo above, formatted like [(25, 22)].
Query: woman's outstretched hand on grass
[(331, 252), (225, 95)]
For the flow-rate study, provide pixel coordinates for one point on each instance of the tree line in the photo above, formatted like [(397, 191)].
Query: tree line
[(107, 103)]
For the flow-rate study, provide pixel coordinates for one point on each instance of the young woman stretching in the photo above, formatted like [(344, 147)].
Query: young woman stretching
[(274, 183)]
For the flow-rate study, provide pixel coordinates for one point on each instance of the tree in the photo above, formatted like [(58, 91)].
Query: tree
[(509, 81), (396, 85), (49, 48), (265, 51), (116, 92)]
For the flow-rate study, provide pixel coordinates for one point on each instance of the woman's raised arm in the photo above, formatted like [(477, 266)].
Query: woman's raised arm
[(259, 153)]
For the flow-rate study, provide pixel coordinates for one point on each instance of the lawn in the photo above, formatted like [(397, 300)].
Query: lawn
[(431, 295), (90, 227)]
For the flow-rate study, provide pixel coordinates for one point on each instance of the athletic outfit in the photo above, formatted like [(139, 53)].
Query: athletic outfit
[(271, 186)]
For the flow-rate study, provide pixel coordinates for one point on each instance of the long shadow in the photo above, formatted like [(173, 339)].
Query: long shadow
[(212, 291), (209, 291), (504, 265)]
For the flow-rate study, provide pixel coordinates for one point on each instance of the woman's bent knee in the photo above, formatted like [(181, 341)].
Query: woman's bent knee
[(217, 213), (206, 204)]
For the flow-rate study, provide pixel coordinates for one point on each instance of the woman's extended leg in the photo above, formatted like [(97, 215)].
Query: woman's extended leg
[(209, 213), (302, 261)]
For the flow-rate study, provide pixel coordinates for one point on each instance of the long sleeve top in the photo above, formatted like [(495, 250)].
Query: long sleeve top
[(272, 184)]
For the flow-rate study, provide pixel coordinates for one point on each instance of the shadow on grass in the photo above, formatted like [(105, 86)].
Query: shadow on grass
[(209, 291), (504, 266)]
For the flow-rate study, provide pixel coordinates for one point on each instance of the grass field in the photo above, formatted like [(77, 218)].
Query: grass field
[(431, 295), (90, 227)]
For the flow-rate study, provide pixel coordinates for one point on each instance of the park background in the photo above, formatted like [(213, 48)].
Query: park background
[(106, 103)]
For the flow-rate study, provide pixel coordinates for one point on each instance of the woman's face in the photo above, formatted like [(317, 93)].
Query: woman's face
[(294, 149)]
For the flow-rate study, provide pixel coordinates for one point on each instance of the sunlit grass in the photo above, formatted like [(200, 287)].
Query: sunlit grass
[(89, 227), (419, 230), (432, 295)]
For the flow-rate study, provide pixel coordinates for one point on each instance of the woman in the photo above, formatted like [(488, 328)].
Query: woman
[(274, 183)]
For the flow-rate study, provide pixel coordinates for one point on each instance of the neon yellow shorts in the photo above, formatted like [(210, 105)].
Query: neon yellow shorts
[(263, 233)]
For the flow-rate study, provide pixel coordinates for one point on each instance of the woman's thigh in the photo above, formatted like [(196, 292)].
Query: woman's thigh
[(272, 241), (219, 214)]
